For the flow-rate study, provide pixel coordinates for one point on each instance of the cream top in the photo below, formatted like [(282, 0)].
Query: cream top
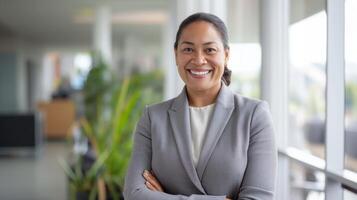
[(199, 119)]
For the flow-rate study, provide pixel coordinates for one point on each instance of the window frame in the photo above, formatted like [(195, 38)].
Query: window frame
[(274, 41)]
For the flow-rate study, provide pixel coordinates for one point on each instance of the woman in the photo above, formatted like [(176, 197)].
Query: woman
[(207, 143)]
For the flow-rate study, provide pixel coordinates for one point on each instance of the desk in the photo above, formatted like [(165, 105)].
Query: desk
[(59, 116)]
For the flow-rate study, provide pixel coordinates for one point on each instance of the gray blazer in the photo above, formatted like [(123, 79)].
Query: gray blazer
[(238, 158)]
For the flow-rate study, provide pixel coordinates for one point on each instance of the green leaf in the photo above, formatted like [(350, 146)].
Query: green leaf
[(94, 170), (67, 169)]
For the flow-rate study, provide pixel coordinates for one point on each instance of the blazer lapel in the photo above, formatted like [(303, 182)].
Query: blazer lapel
[(220, 117), (179, 118)]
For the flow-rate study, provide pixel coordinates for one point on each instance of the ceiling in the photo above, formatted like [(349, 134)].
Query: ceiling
[(61, 22), (70, 22)]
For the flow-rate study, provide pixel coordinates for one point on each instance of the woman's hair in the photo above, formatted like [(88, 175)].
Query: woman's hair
[(220, 27)]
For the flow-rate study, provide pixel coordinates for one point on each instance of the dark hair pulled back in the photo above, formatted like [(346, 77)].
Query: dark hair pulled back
[(220, 27)]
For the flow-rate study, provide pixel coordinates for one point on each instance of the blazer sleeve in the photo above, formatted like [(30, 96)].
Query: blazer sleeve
[(260, 175), (135, 188)]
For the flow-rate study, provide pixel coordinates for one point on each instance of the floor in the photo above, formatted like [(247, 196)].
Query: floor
[(42, 178), (34, 178)]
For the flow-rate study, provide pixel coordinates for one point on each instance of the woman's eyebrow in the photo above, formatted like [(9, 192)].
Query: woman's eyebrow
[(186, 42), (209, 43), (191, 43)]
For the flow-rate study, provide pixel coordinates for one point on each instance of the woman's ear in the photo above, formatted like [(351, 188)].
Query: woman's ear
[(175, 50), (226, 52)]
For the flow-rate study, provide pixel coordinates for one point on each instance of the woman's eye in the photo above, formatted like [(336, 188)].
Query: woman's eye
[(210, 50), (187, 50)]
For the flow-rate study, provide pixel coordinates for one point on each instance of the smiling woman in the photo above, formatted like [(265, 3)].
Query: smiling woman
[(207, 143), (201, 58)]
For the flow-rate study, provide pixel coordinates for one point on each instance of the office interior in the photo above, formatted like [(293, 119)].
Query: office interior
[(68, 68)]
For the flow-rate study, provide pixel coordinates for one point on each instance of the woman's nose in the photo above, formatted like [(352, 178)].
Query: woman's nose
[(199, 59)]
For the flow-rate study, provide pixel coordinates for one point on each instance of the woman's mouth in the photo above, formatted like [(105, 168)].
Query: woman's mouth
[(199, 73)]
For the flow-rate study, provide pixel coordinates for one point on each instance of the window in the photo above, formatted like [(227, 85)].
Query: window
[(82, 65), (348, 195), (243, 21), (307, 78), (351, 85), (306, 184), (245, 63), (314, 89)]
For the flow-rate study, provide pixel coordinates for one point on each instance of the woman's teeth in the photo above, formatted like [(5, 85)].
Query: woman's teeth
[(200, 73)]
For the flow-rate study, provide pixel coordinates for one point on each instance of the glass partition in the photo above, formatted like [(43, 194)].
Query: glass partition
[(307, 78), (306, 184), (351, 85)]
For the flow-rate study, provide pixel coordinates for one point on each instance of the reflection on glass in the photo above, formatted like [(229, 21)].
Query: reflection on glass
[(350, 85), (307, 79), (245, 63), (306, 184)]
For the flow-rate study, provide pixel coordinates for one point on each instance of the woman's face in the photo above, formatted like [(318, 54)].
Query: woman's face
[(201, 57)]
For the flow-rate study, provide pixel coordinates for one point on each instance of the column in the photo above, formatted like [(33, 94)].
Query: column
[(219, 8), (203, 6), (274, 74), (173, 83), (335, 93), (102, 39), (179, 10)]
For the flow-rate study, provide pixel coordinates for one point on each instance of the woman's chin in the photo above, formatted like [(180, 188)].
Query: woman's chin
[(198, 87)]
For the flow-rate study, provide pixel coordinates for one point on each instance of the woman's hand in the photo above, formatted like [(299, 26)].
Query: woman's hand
[(151, 182)]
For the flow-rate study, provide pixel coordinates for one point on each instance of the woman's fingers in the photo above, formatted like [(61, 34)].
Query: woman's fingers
[(153, 181), (151, 187), (149, 177), (150, 181)]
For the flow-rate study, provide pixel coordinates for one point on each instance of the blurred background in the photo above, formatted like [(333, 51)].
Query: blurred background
[(76, 75)]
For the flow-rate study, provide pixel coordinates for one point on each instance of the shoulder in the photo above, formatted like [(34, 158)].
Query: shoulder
[(160, 107), (155, 113), (255, 111), (248, 104)]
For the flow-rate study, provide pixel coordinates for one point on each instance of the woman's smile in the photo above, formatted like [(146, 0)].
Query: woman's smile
[(199, 73)]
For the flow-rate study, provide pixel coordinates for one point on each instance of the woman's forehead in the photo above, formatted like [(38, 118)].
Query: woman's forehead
[(200, 32)]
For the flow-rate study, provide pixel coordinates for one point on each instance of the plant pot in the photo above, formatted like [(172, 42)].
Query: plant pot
[(118, 191), (82, 195)]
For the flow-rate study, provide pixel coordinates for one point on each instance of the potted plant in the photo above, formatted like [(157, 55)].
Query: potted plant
[(112, 133), (112, 108), (83, 180)]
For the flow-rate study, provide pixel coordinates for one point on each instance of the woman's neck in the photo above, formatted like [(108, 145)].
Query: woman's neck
[(202, 98)]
